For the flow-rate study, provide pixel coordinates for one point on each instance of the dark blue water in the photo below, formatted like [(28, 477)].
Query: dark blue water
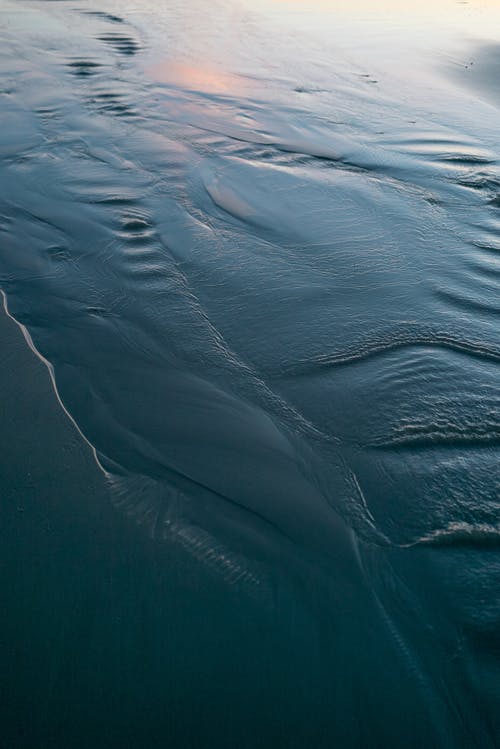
[(257, 247)]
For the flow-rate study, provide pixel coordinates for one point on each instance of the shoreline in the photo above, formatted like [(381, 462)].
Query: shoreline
[(45, 441)]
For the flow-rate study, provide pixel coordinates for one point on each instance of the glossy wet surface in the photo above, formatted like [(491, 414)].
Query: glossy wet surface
[(258, 248)]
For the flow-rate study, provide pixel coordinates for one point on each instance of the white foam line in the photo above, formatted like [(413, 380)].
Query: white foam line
[(50, 368)]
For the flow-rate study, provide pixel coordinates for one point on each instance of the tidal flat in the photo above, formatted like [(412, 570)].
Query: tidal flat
[(250, 405)]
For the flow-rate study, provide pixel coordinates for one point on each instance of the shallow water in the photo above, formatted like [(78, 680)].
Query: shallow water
[(257, 246)]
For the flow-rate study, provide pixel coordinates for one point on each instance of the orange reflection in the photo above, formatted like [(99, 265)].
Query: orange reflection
[(197, 77)]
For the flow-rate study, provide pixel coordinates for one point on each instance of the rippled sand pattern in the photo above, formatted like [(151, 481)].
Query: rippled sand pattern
[(268, 297)]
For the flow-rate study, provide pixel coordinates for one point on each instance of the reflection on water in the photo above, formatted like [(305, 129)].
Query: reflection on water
[(197, 78), (398, 34), (263, 267), (474, 16)]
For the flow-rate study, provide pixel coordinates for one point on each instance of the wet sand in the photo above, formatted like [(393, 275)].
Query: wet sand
[(50, 481), (264, 269), (107, 639), (46, 464)]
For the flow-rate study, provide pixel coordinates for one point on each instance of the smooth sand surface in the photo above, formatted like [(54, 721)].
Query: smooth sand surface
[(44, 458), (259, 248)]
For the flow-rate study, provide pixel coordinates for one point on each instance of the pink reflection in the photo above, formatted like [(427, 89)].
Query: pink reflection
[(198, 78)]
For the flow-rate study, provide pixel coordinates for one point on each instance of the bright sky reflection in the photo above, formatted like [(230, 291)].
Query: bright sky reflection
[(196, 77), (471, 16)]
